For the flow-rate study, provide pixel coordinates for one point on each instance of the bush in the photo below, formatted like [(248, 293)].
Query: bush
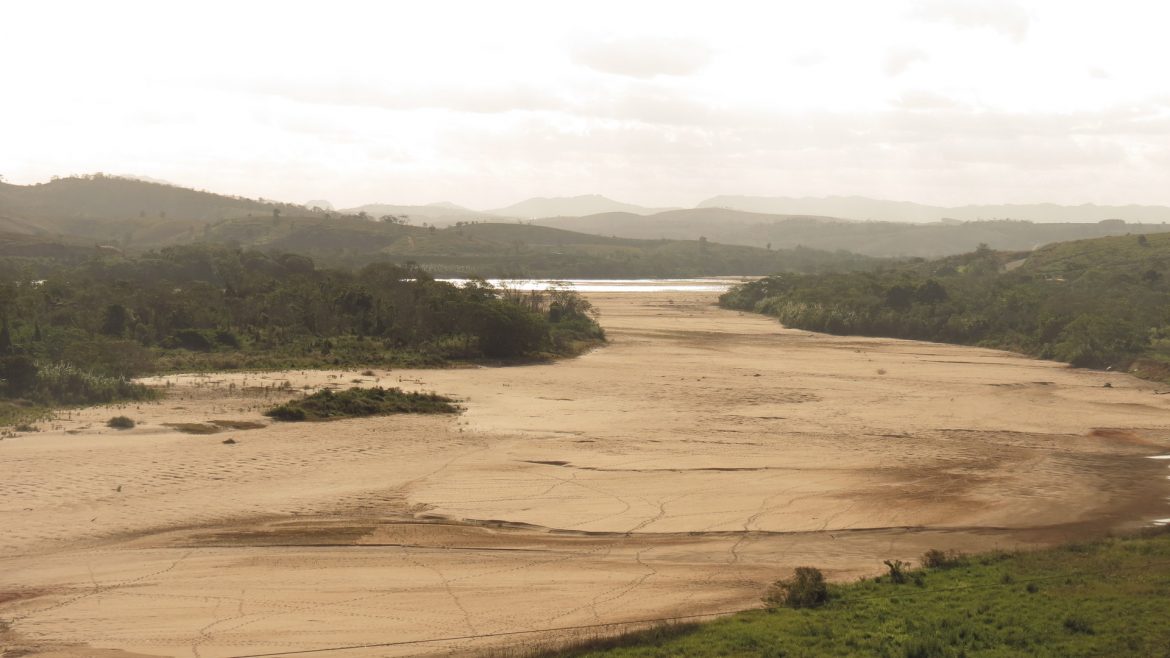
[(937, 559), (120, 423), (360, 402), (806, 589), (18, 375), (287, 412), (61, 383), (897, 570), (1077, 624)]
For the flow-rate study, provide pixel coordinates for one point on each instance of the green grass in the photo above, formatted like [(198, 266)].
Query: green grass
[(360, 402), (1106, 598), (14, 413)]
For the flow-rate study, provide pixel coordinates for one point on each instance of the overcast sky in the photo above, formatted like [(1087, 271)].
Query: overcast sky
[(485, 103)]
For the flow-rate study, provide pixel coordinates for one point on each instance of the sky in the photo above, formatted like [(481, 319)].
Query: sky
[(657, 103)]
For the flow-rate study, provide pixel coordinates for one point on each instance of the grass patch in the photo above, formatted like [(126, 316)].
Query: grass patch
[(359, 402), (22, 413), (1106, 598), (596, 639)]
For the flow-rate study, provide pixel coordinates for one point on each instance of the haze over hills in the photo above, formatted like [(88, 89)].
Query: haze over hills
[(101, 206), (68, 218), (577, 206), (863, 208), (886, 239), (139, 214), (441, 213)]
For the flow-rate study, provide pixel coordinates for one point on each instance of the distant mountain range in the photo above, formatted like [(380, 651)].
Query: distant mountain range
[(576, 206), (862, 208), (140, 214), (81, 217), (871, 238), (442, 213)]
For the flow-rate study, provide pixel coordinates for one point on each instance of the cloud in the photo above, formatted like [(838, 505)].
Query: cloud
[(923, 99), (809, 58), (898, 60), (1099, 73), (481, 99), (1003, 16), (644, 57)]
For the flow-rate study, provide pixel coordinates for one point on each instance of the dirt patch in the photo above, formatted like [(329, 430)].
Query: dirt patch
[(1123, 436), (194, 428), (238, 424)]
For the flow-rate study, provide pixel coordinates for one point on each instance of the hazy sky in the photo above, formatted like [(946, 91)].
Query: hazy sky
[(485, 103)]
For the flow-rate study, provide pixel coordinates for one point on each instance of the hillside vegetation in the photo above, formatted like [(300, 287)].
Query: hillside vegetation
[(1107, 598), (1094, 303), (76, 332), (872, 238), (67, 216)]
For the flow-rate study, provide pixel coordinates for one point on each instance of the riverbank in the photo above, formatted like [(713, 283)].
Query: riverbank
[(681, 468)]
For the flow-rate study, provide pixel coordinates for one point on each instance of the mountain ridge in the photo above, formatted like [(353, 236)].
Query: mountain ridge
[(866, 208)]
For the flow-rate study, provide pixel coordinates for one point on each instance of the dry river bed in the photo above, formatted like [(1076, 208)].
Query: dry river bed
[(676, 471)]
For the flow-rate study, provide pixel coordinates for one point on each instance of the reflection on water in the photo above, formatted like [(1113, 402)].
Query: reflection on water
[(612, 285)]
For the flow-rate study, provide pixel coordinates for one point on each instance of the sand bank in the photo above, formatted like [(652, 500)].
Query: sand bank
[(678, 470)]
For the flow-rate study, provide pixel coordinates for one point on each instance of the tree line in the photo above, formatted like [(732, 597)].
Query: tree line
[(205, 307), (1095, 303)]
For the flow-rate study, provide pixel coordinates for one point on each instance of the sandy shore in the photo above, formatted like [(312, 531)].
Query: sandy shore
[(678, 470)]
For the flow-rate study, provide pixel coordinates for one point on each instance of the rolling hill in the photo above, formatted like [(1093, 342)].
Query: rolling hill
[(863, 208), (880, 239), (577, 206), (69, 218)]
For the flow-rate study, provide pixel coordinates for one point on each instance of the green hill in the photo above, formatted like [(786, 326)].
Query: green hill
[(105, 207), (135, 216), (872, 238), (1096, 303)]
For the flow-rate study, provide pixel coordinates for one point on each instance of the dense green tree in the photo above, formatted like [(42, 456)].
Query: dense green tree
[(1084, 303)]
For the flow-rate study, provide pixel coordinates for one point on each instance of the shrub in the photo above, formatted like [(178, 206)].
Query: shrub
[(18, 375), (897, 570), (938, 559), (359, 402), (1077, 624), (287, 412), (61, 383), (805, 589), (120, 423)]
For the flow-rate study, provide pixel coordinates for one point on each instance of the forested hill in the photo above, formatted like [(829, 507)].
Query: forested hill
[(104, 206), (70, 218), (873, 238), (1095, 303)]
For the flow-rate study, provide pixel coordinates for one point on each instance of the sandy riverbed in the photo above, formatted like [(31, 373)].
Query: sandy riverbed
[(700, 455)]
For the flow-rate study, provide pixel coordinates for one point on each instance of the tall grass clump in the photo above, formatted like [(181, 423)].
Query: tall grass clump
[(65, 384), (359, 402)]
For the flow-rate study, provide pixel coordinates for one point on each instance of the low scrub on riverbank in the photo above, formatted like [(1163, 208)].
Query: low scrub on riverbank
[(1104, 598), (75, 334), (62, 384), (1094, 303), (359, 402)]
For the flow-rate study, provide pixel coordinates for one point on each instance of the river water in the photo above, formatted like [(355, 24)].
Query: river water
[(615, 285)]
